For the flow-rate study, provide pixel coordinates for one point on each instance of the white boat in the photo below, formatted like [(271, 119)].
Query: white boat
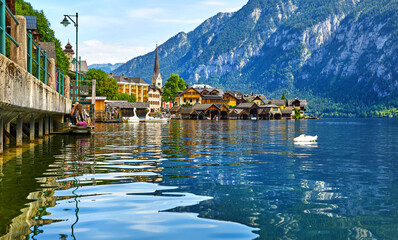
[(150, 119), (133, 119), (305, 138)]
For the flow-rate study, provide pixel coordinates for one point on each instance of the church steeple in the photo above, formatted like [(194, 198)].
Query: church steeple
[(156, 77)]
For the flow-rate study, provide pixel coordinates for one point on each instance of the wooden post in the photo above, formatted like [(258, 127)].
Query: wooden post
[(46, 125), (32, 128), (7, 129), (40, 127), (94, 82), (19, 131), (51, 127), (1, 134)]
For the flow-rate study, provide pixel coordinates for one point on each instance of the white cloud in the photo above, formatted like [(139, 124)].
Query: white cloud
[(214, 3), (146, 13), (99, 21), (95, 51), (187, 21)]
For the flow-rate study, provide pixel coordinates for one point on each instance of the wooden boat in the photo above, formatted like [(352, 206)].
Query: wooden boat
[(81, 129)]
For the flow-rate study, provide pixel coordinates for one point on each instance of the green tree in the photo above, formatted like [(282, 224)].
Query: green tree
[(283, 96), (105, 85), (172, 86), (44, 29), (125, 96), (297, 114)]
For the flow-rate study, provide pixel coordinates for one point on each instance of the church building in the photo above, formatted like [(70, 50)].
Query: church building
[(155, 90), (156, 77)]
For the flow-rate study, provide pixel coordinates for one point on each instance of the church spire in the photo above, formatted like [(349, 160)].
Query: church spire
[(156, 68), (156, 77)]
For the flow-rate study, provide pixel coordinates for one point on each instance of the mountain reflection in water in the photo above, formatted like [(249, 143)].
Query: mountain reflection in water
[(207, 180)]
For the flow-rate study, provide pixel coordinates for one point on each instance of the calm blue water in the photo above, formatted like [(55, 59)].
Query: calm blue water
[(208, 180)]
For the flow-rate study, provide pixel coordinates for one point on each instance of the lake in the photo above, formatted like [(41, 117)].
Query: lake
[(206, 180)]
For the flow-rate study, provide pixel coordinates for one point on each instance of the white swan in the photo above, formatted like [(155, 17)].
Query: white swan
[(133, 119), (305, 138), (155, 119)]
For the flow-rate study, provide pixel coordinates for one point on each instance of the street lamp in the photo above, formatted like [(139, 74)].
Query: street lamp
[(66, 22)]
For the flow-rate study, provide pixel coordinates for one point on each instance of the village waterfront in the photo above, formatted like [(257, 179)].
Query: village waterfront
[(206, 180)]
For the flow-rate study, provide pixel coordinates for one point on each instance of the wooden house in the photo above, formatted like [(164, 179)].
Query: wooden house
[(242, 114), (175, 111), (279, 102), (287, 112), (189, 95), (233, 114), (99, 108), (300, 104), (188, 113), (230, 99), (270, 112), (250, 108), (210, 99), (258, 100), (211, 111)]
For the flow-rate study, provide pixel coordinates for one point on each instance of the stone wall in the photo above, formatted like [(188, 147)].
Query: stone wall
[(22, 92)]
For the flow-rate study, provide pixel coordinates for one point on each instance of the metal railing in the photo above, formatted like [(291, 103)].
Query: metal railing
[(60, 83), (3, 28), (34, 53), (41, 64)]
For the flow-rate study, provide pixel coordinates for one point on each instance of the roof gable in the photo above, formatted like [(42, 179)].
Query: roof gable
[(247, 105)]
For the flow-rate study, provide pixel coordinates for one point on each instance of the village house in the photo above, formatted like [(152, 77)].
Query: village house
[(258, 100), (270, 112), (188, 96), (230, 99), (206, 102), (135, 86), (154, 98), (300, 104), (250, 108), (278, 102)]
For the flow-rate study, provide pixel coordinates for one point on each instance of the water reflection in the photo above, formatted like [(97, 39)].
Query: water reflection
[(214, 180)]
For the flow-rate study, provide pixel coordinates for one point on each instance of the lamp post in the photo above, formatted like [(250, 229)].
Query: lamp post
[(66, 22)]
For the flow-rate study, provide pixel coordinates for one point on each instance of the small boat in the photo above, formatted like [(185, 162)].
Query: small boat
[(160, 119), (305, 138), (133, 119), (81, 129)]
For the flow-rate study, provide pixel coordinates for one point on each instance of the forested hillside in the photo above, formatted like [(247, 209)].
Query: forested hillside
[(339, 54)]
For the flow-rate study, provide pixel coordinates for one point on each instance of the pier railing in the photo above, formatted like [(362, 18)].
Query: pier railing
[(3, 28), (32, 57)]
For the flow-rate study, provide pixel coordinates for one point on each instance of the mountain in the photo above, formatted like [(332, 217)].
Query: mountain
[(339, 54), (106, 67)]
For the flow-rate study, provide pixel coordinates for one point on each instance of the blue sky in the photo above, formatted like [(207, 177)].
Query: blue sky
[(112, 31)]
